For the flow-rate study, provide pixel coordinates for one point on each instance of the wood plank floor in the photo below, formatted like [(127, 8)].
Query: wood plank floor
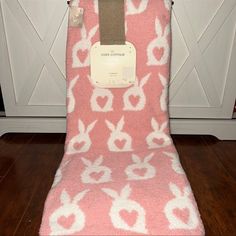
[(28, 163)]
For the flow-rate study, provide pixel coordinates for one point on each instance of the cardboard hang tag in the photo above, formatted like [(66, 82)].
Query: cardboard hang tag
[(113, 66), (111, 22), (112, 59)]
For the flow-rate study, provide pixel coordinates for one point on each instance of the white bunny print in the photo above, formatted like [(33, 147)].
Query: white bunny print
[(119, 140), (158, 138), (158, 49), (95, 5), (69, 218), (58, 175), (126, 27), (70, 95), (80, 51), (125, 213), (176, 166), (132, 9), (94, 173), (81, 142), (164, 93), (134, 97), (140, 170), (180, 211), (101, 100)]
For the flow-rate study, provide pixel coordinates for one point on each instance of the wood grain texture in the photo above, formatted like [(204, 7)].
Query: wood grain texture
[(28, 163), (212, 184)]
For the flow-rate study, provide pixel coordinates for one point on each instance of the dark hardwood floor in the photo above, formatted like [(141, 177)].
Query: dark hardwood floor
[(28, 163)]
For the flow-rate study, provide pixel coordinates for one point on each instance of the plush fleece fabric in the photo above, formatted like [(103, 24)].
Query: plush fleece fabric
[(121, 173)]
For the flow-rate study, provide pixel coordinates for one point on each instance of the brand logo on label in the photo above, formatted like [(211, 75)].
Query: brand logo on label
[(112, 54)]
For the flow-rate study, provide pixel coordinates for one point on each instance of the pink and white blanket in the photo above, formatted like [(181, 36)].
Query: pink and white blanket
[(121, 174)]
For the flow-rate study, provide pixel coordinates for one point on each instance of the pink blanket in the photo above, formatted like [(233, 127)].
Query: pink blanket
[(120, 174)]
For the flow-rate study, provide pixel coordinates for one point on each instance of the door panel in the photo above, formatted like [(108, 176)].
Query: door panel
[(202, 67), (202, 58), (36, 35)]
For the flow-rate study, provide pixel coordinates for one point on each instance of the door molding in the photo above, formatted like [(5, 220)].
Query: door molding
[(222, 129)]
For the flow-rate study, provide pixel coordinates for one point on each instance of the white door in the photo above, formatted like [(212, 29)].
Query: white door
[(34, 57), (203, 57), (203, 73)]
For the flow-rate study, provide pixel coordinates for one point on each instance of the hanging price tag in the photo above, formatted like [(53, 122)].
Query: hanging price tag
[(76, 15)]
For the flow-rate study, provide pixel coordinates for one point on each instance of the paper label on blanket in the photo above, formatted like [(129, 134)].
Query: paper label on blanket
[(113, 66), (76, 16)]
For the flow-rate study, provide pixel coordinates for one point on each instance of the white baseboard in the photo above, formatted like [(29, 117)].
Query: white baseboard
[(222, 129)]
